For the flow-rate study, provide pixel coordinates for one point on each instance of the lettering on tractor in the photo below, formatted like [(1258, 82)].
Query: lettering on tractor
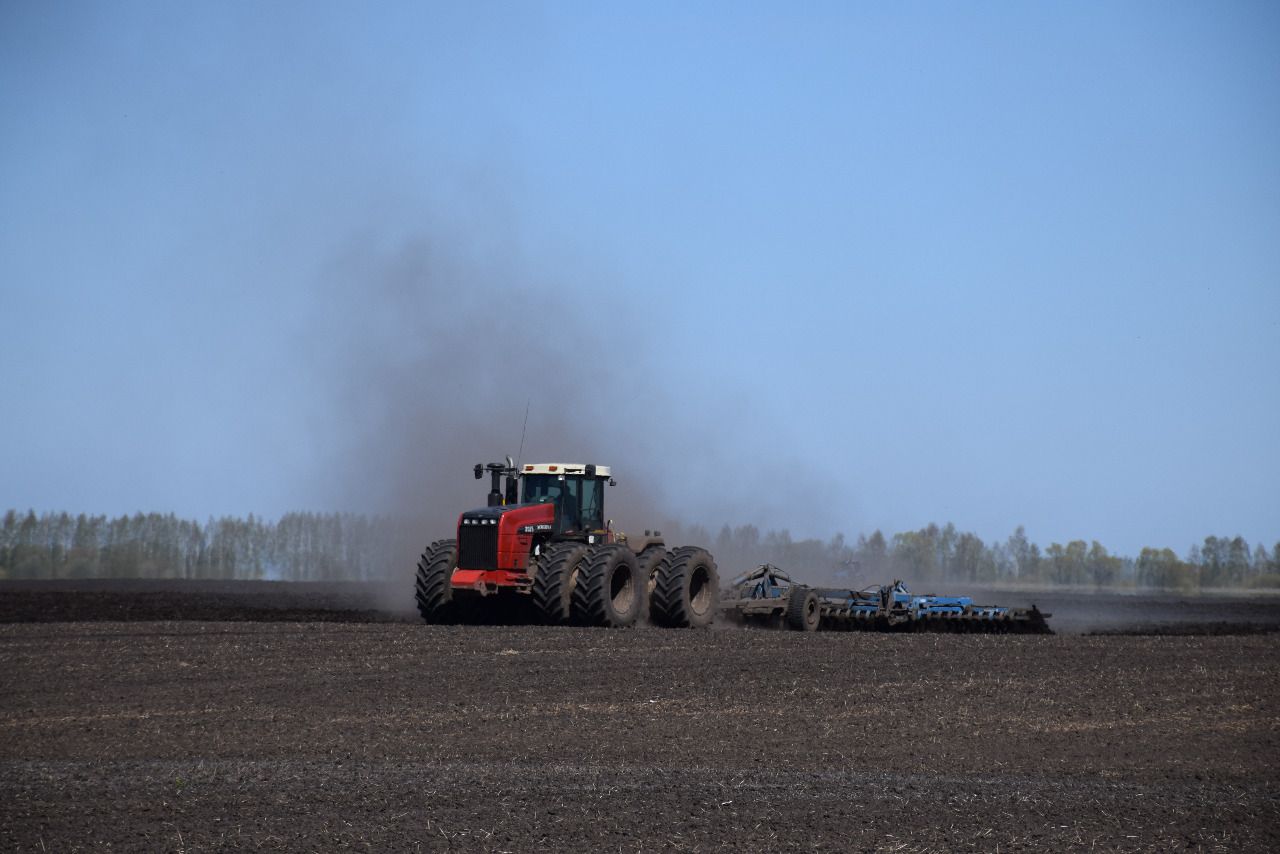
[(543, 543)]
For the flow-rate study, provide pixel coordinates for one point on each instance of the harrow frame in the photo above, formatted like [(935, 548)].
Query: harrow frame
[(761, 598)]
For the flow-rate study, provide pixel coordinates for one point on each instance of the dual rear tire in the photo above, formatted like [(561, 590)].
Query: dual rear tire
[(555, 573), (686, 589), (610, 586), (608, 591)]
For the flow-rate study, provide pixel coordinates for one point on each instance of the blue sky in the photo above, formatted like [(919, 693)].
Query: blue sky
[(830, 267)]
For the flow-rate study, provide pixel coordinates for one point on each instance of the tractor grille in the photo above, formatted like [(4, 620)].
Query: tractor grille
[(478, 547)]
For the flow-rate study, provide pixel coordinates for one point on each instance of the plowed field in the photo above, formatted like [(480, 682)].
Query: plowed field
[(326, 724)]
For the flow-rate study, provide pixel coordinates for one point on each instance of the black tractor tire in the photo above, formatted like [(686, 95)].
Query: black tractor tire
[(686, 590), (647, 562), (431, 589), (555, 573), (609, 590), (804, 612)]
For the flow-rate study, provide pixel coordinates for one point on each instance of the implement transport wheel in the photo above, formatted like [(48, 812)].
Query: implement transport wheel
[(431, 589), (554, 576), (608, 590), (647, 563), (686, 589), (803, 612)]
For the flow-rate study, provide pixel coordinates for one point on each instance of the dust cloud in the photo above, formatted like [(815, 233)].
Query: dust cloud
[(426, 350), (426, 361)]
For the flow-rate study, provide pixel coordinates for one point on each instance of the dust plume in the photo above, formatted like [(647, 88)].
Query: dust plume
[(427, 361), (426, 351)]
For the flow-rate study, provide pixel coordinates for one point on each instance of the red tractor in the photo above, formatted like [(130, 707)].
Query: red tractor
[(543, 544)]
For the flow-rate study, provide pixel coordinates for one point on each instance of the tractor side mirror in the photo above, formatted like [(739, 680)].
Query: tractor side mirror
[(479, 471), (612, 482)]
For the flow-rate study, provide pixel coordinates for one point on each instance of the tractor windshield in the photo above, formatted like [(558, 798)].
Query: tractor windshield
[(541, 487), (579, 498)]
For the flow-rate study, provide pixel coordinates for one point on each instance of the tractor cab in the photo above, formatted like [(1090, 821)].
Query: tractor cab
[(577, 491)]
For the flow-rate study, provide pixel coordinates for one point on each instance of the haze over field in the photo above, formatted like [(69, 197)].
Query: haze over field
[(852, 269)]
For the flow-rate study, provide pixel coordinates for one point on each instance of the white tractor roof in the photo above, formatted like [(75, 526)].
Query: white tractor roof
[(561, 468)]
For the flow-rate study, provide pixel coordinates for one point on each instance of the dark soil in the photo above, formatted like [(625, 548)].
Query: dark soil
[(270, 735), (129, 600), (92, 600), (1143, 613)]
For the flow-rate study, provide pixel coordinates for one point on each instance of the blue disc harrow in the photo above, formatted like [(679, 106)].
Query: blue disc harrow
[(768, 596)]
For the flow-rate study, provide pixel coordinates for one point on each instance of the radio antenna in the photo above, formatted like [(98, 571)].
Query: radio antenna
[(520, 453)]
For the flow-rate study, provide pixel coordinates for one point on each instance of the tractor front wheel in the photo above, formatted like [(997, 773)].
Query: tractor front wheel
[(432, 590)]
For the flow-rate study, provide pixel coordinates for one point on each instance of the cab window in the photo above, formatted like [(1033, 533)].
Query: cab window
[(592, 506), (541, 487)]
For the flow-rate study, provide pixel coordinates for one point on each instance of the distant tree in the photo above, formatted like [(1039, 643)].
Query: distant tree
[(1213, 562), (1067, 565), (1002, 561), (29, 558), (1260, 564), (915, 554), (777, 546), (1103, 569), (1128, 570), (1237, 569), (311, 546), (1025, 554), (872, 555), (1036, 563), (945, 540), (724, 540), (1162, 568), (970, 560), (8, 542), (836, 549), (696, 535), (82, 562)]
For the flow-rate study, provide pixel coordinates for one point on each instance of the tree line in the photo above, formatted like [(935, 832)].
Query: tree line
[(944, 554), (344, 546), (297, 547)]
